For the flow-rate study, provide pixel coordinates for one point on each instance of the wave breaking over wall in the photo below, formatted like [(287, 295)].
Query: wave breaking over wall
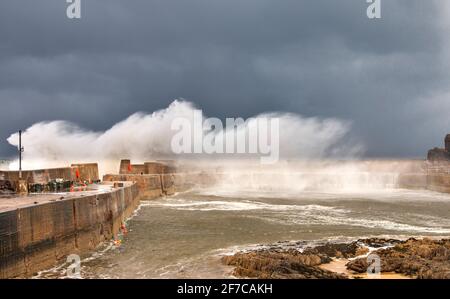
[(146, 136)]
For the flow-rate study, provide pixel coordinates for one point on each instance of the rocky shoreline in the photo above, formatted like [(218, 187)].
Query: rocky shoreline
[(413, 258)]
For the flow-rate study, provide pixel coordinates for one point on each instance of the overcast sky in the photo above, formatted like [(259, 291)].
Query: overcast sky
[(232, 58)]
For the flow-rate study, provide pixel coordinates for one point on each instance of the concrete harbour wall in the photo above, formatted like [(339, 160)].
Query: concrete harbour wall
[(149, 186), (38, 237), (85, 172)]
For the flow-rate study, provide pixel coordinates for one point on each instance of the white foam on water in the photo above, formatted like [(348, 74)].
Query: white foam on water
[(218, 205), (309, 214)]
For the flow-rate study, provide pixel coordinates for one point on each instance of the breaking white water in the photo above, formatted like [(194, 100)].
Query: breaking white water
[(147, 136)]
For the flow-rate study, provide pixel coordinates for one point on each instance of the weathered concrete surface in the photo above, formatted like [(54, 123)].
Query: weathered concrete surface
[(40, 176), (155, 167), (85, 172), (38, 236), (155, 185), (12, 202), (150, 185)]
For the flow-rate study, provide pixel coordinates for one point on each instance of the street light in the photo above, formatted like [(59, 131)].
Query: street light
[(21, 150)]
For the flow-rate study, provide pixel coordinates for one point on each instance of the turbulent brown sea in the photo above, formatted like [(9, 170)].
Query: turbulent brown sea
[(186, 235)]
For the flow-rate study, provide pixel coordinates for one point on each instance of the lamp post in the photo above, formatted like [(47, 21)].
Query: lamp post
[(21, 149)]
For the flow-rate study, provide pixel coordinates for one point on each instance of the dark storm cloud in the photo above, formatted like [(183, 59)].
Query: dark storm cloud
[(232, 58)]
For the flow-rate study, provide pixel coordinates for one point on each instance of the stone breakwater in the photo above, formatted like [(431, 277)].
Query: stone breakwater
[(425, 259), (84, 172), (155, 185), (42, 230), (41, 235)]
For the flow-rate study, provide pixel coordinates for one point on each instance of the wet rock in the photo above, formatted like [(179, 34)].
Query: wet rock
[(378, 242), (338, 250), (266, 264), (427, 259)]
